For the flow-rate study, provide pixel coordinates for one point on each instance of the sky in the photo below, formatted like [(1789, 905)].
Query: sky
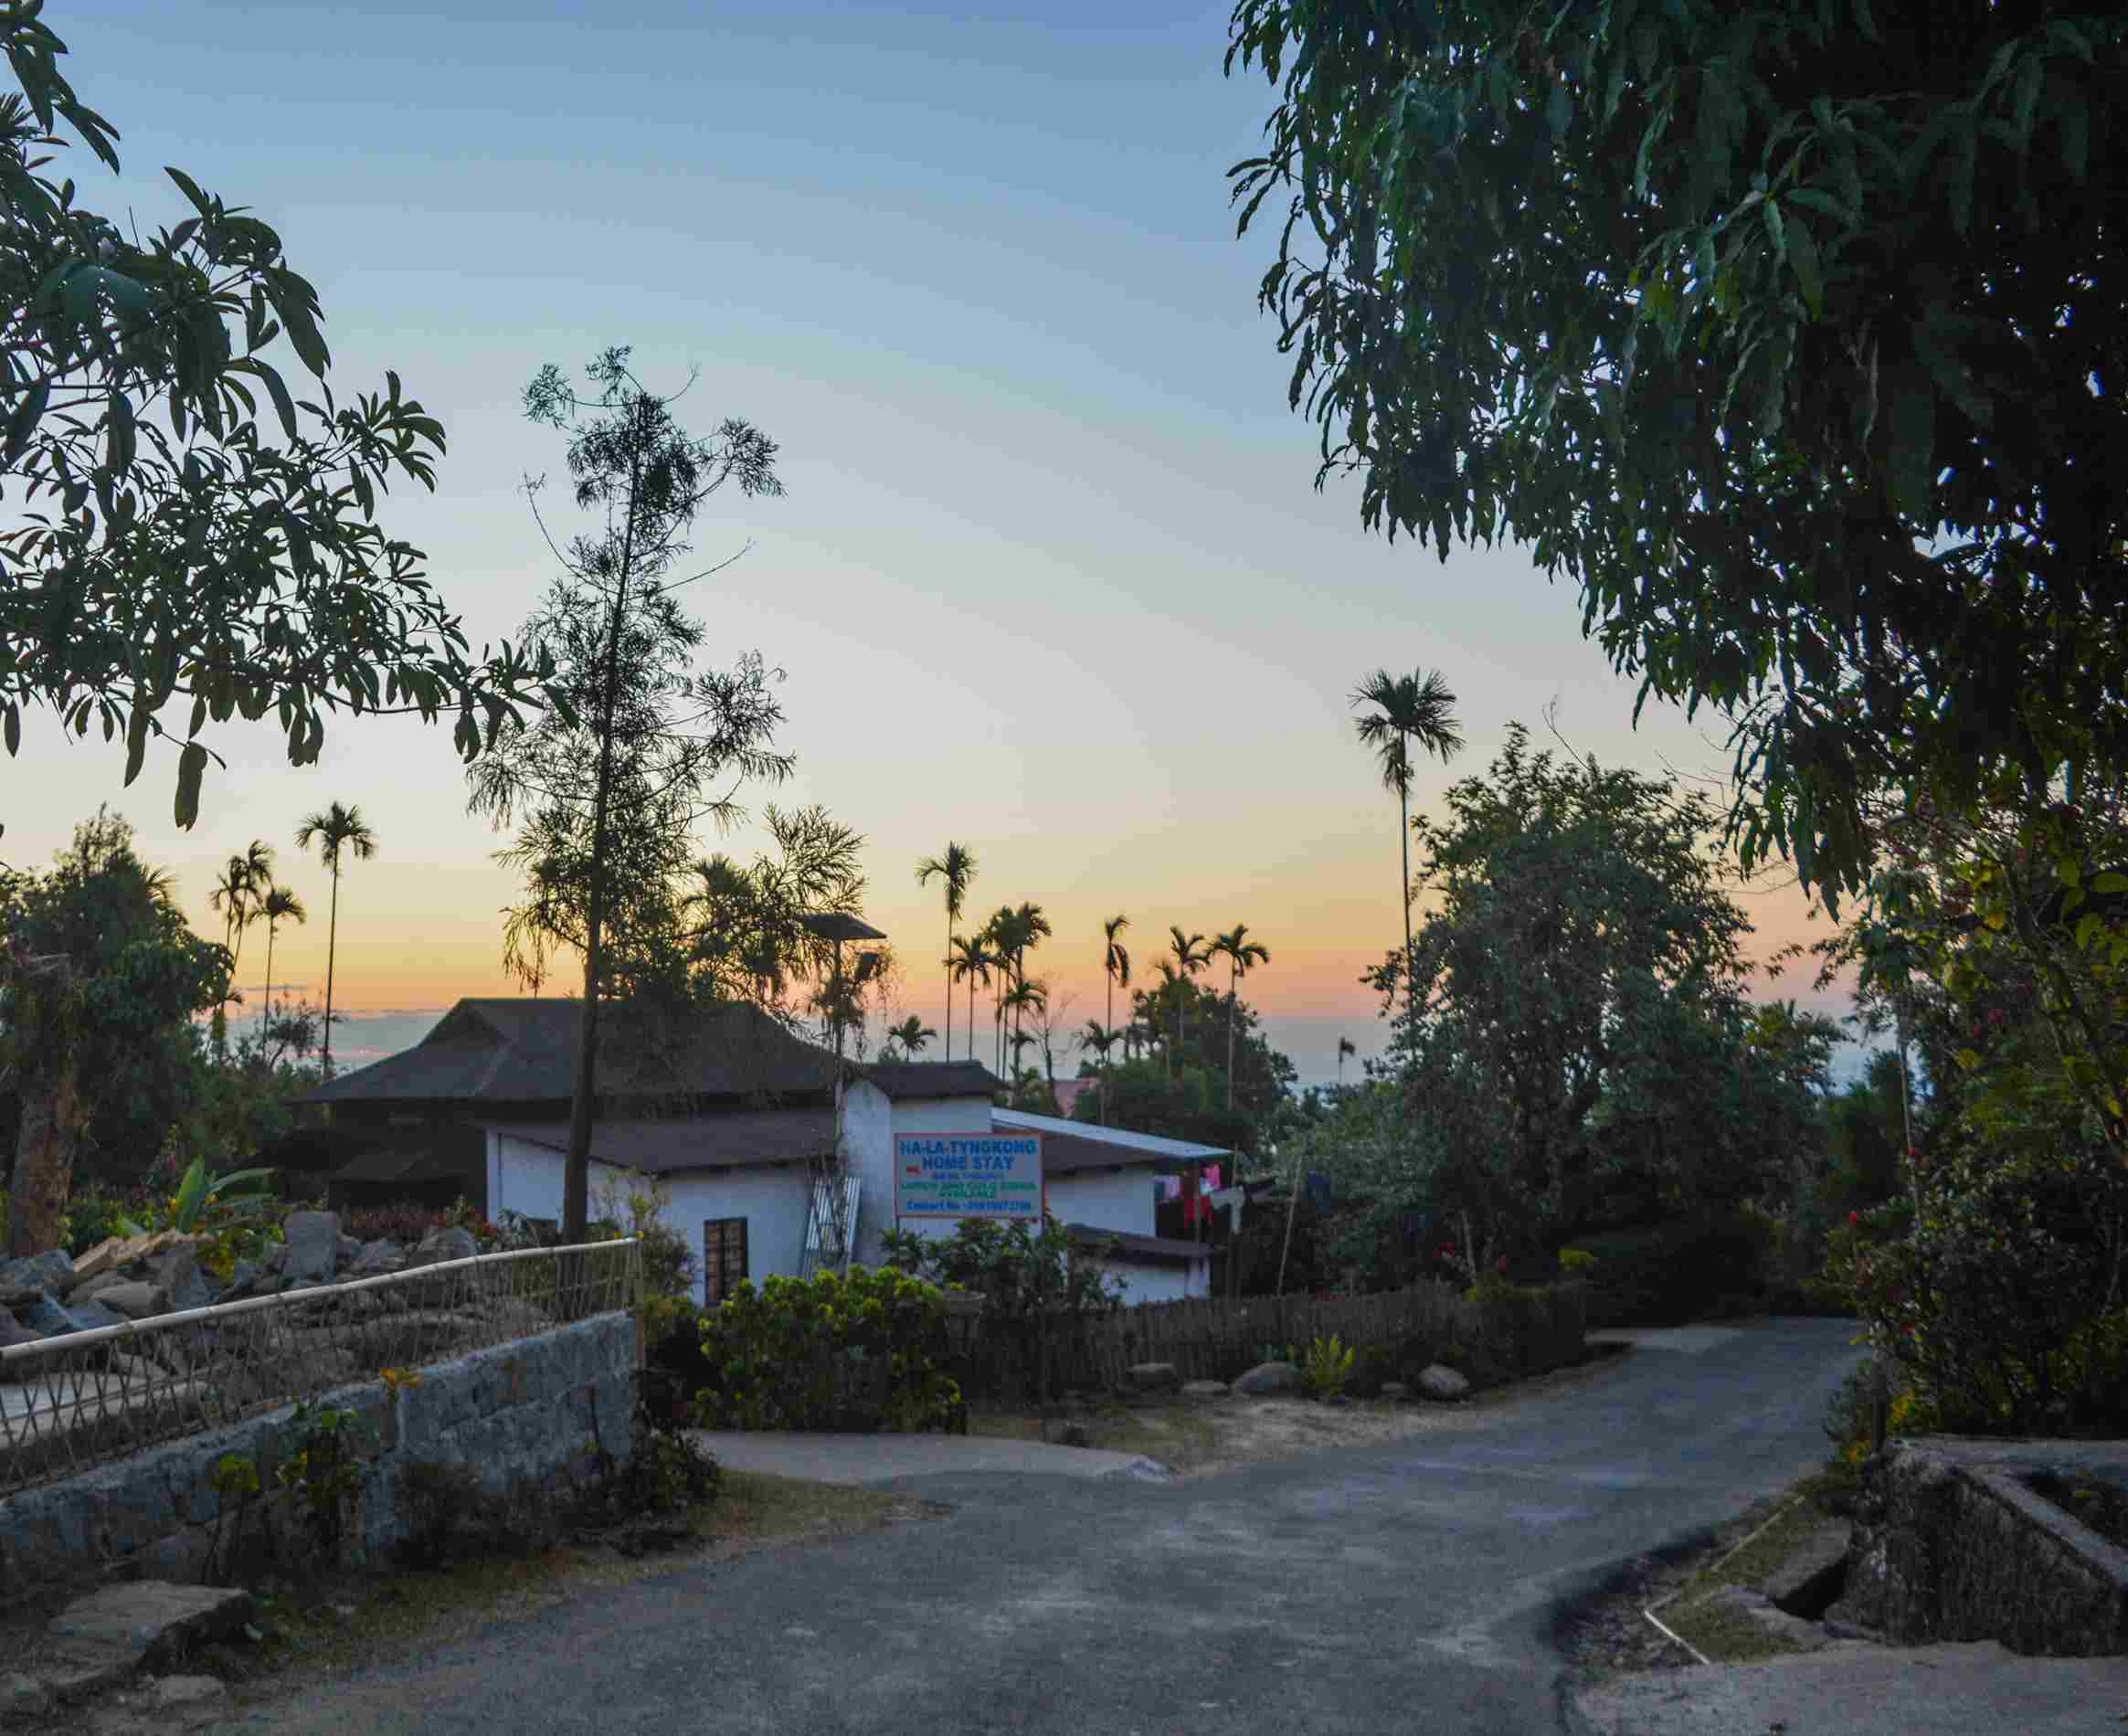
[(1051, 578)]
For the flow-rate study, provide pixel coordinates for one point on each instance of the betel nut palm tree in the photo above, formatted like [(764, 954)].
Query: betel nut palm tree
[(913, 1033), (1242, 954), (236, 894), (339, 830), (278, 906), (970, 961), (1192, 955), (1400, 710), (1115, 966), (956, 867), (1345, 1046)]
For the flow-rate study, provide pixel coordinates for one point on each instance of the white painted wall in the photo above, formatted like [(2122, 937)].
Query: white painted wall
[(1106, 1199), (1149, 1281), (773, 1199), (871, 1122)]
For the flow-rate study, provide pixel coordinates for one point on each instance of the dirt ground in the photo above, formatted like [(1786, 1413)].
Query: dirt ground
[(1203, 1437)]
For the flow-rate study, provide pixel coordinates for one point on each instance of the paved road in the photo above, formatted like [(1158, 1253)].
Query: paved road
[(1408, 1587)]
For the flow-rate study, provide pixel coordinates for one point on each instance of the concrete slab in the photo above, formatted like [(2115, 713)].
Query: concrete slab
[(1855, 1689), (868, 1460)]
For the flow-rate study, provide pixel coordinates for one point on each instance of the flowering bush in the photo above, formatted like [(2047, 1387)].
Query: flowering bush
[(858, 1352)]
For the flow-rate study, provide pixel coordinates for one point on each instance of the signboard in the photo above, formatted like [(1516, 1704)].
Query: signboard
[(969, 1175)]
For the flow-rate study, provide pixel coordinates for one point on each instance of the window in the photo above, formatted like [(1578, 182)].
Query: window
[(724, 1256)]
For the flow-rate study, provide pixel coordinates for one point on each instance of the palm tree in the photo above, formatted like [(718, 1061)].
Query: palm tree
[(1192, 955), (997, 934), (970, 963), (1030, 928), (1023, 999), (957, 868), (279, 904), (1242, 954), (1345, 1046), (339, 828), (1407, 708), (1099, 1038), (236, 894), (1116, 965), (913, 1033)]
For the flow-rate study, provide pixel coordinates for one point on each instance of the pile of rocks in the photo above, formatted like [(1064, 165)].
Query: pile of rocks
[(139, 1278)]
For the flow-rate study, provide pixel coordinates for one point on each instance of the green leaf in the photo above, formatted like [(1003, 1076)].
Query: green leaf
[(1910, 467), (2109, 881), (22, 425), (2087, 926), (277, 388), (191, 764), (190, 188), (119, 444), (1558, 111), (1809, 272), (136, 736), (1967, 1059), (11, 722)]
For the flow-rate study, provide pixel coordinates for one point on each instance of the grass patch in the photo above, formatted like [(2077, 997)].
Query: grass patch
[(1728, 1635), (350, 1620)]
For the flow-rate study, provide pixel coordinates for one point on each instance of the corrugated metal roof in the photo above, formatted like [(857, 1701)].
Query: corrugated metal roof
[(905, 1079), (730, 1141), (1093, 1147), (524, 1050)]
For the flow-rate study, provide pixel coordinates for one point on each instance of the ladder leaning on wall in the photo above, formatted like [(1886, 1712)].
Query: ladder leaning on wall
[(831, 1222)]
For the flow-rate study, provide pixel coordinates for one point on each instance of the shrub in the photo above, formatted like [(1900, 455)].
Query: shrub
[(1326, 1367), (437, 1499), (859, 1352), (636, 1205), (1998, 1299)]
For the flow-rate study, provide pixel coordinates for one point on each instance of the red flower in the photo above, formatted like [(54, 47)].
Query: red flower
[(1854, 1217), (1501, 1263)]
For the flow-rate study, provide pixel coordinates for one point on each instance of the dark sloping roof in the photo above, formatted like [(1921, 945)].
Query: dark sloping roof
[(905, 1079), (1143, 1247), (522, 1051), (695, 1142)]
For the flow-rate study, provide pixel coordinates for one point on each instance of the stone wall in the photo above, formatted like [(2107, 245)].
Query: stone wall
[(1956, 1547), (529, 1417)]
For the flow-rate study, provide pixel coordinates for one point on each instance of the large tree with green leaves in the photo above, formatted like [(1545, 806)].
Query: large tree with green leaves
[(98, 980), (1792, 333), (165, 544), (1578, 1023), (611, 787)]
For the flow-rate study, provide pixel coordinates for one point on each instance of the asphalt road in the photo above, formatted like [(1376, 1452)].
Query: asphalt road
[(1406, 1587)]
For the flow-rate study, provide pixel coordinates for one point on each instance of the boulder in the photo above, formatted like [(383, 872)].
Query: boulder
[(148, 1620), (1153, 1377), (1267, 1378), (1438, 1383), (178, 1272), (350, 1247), (1395, 1390), (12, 1332), (450, 1243), (53, 1270), (23, 1696), (313, 1244), (134, 1299), (48, 1319), (376, 1259), (187, 1694), (243, 1282), (1204, 1388)]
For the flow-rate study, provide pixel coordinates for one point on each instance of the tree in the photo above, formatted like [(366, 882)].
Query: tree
[(1791, 333), (1029, 928), (1099, 1040), (336, 829), (613, 784), (237, 895), (278, 906), (911, 1035), (163, 548), (1115, 966), (1192, 955), (970, 961), (956, 868), (1419, 708), (98, 980), (1345, 1046), (1574, 1009), (1242, 955)]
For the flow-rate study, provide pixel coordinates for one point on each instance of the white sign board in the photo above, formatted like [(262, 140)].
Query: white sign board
[(969, 1175)]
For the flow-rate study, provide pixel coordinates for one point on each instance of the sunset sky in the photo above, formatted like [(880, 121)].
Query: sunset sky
[(1051, 578)]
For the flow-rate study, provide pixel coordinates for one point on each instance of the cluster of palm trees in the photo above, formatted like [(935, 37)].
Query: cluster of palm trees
[(1156, 1009), (245, 892)]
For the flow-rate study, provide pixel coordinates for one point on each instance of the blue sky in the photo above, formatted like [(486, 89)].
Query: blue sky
[(1051, 577)]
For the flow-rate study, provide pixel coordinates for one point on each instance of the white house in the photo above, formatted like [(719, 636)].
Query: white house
[(745, 1123)]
